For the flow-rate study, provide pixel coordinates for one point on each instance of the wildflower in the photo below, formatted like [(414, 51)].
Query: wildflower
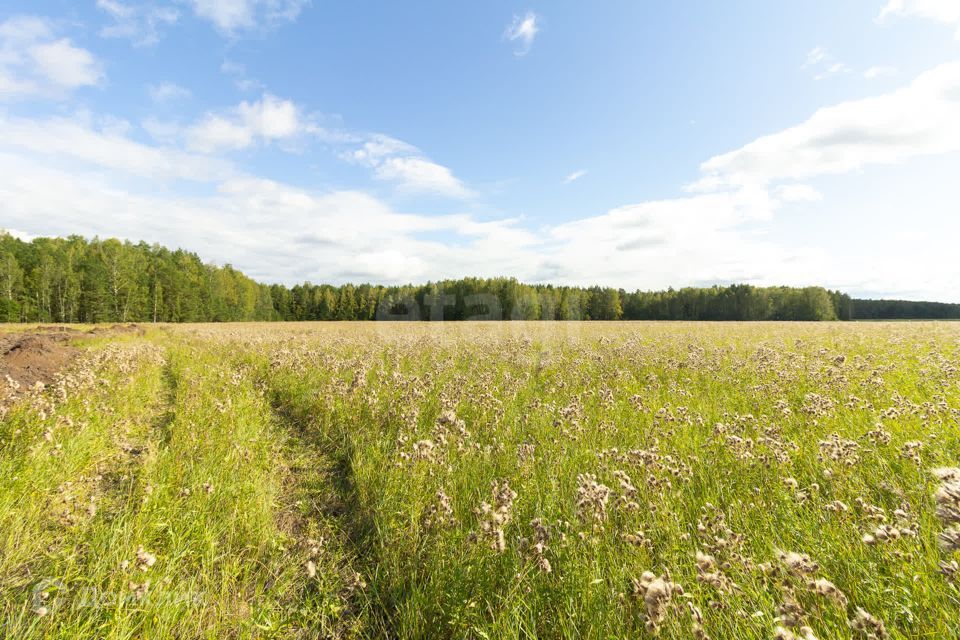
[(825, 588), (637, 539), (708, 573), (837, 506), (867, 626), (424, 450), (798, 564), (878, 435), (538, 545), (139, 589), (911, 450), (839, 449), (790, 612), (696, 622), (440, 513), (949, 538), (592, 498), (782, 633), (145, 560), (950, 569), (495, 517), (525, 452), (656, 592), (947, 498)]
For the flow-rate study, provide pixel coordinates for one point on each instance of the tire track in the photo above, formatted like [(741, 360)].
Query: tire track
[(324, 514)]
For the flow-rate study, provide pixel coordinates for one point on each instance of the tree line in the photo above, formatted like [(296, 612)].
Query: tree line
[(78, 280)]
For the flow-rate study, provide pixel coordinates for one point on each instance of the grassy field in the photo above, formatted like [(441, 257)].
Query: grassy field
[(541, 480)]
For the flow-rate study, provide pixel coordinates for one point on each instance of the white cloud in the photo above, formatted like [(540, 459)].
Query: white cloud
[(167, 132), (832, 69), (797, 193), (522, 32), (402, 163), (167, 92), (89, 175), (823, 64), (418, 175), (267, 120), (20, 235), (61, 141), (141, 24), (920, 119), (576, 175), (65, 65), (879, 72), (35, 63), (377, 147), (257, 224), (272, 119), (231, 16), (815, 56), (68, 176), (679, 241), (944, 11)]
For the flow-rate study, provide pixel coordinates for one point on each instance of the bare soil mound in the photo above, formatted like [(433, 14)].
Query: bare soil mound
[(117, 329), (29, 358)]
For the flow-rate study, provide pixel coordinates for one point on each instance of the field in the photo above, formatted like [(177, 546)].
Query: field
[(483, 480)]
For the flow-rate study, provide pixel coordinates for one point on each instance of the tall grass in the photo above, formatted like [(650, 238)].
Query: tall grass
[(489, 481)]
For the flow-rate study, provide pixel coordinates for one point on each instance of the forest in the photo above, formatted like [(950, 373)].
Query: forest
[(76, 280)]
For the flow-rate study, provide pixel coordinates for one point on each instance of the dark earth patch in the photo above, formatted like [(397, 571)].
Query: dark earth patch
[(29, 358)]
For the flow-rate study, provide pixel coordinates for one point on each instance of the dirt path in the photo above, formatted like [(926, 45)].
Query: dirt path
[(321, 511)]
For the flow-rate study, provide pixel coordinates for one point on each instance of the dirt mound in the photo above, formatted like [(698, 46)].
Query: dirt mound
[(29, 358), (117, 329)]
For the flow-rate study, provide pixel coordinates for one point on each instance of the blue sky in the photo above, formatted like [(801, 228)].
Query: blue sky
[(633, 144)]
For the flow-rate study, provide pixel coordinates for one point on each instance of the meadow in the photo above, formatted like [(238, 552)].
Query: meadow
[(487, 480)]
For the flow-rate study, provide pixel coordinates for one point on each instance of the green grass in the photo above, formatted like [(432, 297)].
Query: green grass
[(329, 444)]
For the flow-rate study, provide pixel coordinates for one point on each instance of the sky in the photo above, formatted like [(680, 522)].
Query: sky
[(640, 145)]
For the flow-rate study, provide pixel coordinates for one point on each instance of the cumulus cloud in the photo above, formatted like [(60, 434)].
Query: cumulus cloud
[(405, 165), (60, 141), (676, 241), (34, 62), (275, 120), (80, 174), (232, 16), (921, 118), (797, 193), (522, 32), (73, 176), (267, 120), (141, 24), (419, 175), (273, 231), (944, 11)]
